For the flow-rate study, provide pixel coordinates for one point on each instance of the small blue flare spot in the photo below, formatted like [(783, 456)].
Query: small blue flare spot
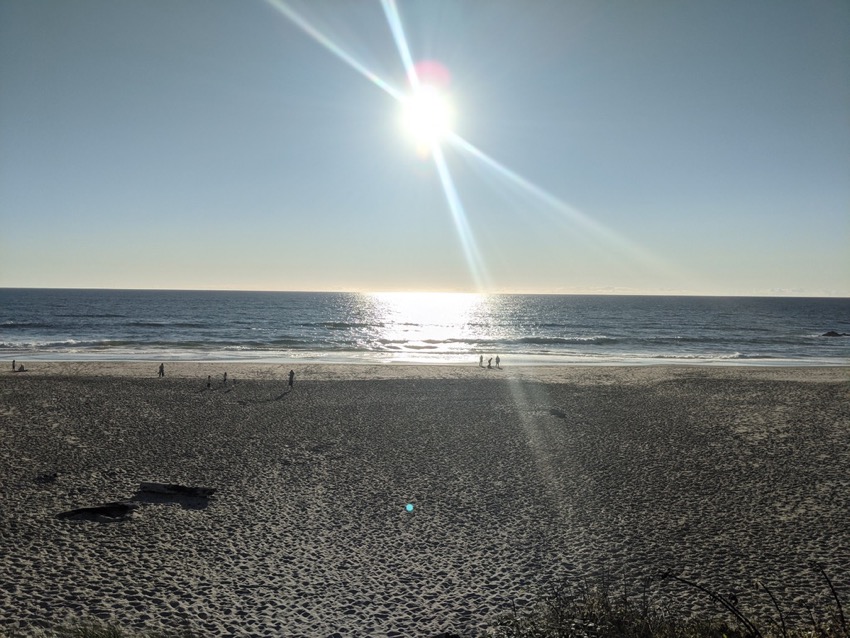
[(409, 507)]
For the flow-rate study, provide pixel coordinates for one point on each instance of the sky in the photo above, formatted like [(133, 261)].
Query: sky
[(604, 146)]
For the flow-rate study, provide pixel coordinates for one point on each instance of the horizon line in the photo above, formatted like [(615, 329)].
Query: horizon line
[(586, 293)]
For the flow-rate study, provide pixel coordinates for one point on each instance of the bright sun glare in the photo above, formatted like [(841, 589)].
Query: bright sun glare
[(428, 116)]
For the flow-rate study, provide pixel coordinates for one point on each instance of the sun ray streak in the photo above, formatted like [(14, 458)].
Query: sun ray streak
[(394, 20), (574, 215), (334, 48), (532, 402), (467, 240)]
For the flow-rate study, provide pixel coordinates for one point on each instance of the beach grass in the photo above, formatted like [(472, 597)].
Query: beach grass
[(599, 609)]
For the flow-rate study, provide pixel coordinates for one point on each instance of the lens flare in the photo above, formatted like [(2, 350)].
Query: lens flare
[(433, 73)]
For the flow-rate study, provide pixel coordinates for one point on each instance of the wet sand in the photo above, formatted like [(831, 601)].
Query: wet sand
[(517, 478)]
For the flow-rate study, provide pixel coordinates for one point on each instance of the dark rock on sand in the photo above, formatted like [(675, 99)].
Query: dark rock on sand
[(172, 489), (108, 512), (196, 498)]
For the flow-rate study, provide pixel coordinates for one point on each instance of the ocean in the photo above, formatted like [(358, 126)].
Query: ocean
[(420, 328)]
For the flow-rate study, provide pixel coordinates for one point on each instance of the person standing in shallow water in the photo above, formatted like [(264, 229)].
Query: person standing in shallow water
[(481, 361), (497, 361), (291, 379)]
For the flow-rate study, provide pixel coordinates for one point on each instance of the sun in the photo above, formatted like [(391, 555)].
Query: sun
[(427, 116)]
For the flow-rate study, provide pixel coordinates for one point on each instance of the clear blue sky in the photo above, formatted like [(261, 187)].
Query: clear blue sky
[(655, 147)]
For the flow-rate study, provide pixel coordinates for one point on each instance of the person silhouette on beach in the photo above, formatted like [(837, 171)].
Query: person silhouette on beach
[(481, 361), (490, 363), (209, 381), (291, 379), (225, 378), (13, 365), (161, 372), (497, 361)]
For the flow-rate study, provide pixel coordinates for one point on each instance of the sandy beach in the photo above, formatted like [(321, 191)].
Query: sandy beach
[(517, 478)]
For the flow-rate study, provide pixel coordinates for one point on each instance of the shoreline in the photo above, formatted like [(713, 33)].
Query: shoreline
[(419, 359), (246, 370), (518, 478)]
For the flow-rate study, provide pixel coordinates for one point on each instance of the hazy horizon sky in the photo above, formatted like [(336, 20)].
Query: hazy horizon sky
[(601, 147)]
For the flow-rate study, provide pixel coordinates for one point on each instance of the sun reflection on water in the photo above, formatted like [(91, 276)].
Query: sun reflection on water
[(443, 323)]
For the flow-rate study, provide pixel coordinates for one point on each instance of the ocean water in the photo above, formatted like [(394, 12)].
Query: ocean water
[(39, 324)]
